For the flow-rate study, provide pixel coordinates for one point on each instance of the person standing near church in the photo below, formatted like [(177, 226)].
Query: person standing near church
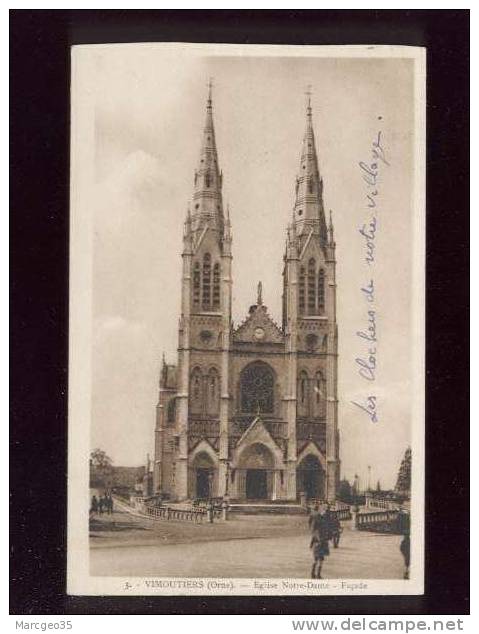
[(320, 535), (405, 548), (405, 545), (313, 512), (333, 525)]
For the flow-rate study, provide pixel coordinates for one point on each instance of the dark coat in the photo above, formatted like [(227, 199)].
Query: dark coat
[(405, 548), (333, 522), (320, 534), (320, 548), (319, 524)]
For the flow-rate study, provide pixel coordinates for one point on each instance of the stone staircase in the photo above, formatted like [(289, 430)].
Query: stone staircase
[(261, 507)]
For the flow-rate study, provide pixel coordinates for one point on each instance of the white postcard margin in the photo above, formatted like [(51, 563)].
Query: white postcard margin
[(79, 580)]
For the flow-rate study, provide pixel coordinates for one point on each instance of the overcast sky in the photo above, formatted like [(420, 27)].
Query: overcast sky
[(149, 114)]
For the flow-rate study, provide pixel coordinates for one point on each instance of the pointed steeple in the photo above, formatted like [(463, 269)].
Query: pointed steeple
[(227, 226), (308, 206), (331, 229), (207, 199), (163, 372)]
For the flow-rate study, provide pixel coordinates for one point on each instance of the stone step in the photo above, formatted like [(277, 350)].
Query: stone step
[(261, 508)]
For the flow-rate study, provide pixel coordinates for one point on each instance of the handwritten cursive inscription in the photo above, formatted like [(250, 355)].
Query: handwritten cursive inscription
[(367, 361), (369, 234), (369, 407)]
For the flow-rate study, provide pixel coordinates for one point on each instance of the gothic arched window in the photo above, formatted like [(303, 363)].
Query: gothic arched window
[(206, 299), (303, 388), (303, 393), (302, 290), (207, 179), (310, 186), (213, 392), (257, 389), (171, 412), (319, 393), (318, 387), (196, 285), (321, 291), (216, 285), (325, 343), (196, 392), (312, 287)]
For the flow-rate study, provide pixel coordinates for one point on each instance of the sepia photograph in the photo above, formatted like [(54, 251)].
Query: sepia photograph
[(246, 397)]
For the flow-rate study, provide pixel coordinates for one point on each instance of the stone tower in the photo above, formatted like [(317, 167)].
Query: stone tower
[(204, 325), (251, 411), (309, 317)]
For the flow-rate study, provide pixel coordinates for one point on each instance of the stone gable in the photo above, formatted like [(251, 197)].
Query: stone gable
[(258, 328)]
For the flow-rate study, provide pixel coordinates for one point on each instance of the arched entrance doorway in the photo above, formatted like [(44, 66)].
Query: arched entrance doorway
[(203, 476), (256, 473), (310, 477)]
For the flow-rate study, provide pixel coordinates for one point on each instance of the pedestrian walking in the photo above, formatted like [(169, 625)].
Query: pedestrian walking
[(319, 544), (404, 527), (405, 548), (101, 505), (334, 528), (94, 504), (312, 514)]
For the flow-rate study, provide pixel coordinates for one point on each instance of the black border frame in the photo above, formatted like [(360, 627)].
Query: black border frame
[(39, 186)]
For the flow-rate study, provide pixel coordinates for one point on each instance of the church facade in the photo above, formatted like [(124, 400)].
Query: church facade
[(251, 412)]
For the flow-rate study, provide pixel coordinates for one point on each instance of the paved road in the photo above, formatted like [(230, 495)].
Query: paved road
[(361, 555)]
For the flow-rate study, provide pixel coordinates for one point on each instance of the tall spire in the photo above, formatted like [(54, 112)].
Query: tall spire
[(331, 229), (207, 198), (308, 206)]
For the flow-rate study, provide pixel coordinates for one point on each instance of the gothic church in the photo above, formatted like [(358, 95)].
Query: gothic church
[(250, 412)]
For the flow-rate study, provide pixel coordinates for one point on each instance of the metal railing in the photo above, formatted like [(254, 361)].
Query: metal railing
[(369, 520), (341, 510), (197, 514), (183, 515), (203, 502), (381, 503), (343, 514)]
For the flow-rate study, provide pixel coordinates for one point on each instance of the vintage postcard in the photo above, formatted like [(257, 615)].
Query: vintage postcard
[(246, 393)]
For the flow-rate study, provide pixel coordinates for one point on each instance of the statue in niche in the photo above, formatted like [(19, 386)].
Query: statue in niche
[(260, 294)]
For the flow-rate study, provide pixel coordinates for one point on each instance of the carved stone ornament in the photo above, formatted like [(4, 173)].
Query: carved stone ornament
[(258, 327)]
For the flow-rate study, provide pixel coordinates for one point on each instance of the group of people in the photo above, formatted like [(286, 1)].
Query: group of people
[(325, 527), (102, 504)]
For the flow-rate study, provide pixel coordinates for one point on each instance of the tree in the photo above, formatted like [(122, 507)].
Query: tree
[(403, 483), (345, 492), (100, 460), (101, 468)]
